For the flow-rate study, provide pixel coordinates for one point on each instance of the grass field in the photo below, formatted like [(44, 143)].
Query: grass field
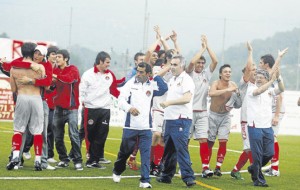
[(90, 179)]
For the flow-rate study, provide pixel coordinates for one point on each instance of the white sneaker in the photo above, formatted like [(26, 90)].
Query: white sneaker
[(116, 178), (51, 160), (273, 173), (145, 185), (49, 167), (27, 155)]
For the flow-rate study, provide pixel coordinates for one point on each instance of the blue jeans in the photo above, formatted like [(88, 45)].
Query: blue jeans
[(61, 117), (129, 140), (176, 148), (262, 147)]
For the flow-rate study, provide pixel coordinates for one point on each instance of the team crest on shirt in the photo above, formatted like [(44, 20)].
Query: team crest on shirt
[(107, 77), (90, 122), (148, 93), (179, 84), (204, 80)]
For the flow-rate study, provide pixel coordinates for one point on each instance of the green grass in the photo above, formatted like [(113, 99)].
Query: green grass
[(289, 168)]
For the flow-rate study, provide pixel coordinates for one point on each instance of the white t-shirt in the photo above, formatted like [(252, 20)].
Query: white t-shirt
[(178, 86), (259, 108)]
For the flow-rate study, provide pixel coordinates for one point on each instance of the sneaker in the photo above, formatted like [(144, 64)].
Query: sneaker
[(104, 161), (27, 155), (95, 165), (62, 164), (78, 166), (155, 170), (236, 175), (49, 167), (13, 164), (51, 160), (163, 180), (190, 183), (218, 172), (132, 165), (207, 173), (38, 166), (145, 185), (272, 173), (260, 184), (116, 178)]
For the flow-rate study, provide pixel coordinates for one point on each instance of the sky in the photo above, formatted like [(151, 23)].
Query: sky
[(119, 24)]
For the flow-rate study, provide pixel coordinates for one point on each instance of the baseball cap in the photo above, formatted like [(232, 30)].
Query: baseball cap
[(42, 49)]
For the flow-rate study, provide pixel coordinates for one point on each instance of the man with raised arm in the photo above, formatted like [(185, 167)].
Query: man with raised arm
[(201, 77)]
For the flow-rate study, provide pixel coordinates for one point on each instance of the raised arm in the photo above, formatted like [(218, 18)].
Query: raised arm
[(162, 39), (212, 55), (191, 66), (173, 37), (249, 64)]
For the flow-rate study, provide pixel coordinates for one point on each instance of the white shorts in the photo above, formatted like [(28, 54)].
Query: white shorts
[(157, 121), (245, 135), (29, 112), (219, 125), (276, 128), (199, 128)]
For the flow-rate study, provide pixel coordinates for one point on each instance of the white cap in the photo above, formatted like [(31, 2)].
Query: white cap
[(42, 49)]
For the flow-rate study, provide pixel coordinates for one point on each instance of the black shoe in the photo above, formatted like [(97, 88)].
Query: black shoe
[(94, 165), (260, 184), (218, 172), (190, 183), (14, 162), (155, 170), (38, 166), (163, 180)]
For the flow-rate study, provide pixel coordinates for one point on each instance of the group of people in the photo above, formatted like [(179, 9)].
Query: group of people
[(166, 104)]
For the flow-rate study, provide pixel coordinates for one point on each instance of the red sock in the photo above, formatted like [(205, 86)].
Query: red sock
[(241, 162), (250, 156), (38, 144), (16, 141), (158, 153), (87, 142), (204, 154), (210, 145), (221, 154), (275, 157)]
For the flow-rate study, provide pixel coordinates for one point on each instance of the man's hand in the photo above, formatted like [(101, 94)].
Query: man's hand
[(164, 104), (249, 47), (34, 66), (2, 60), (275, 121), (25, 80), (157, 30), (281, 53), (133, 111), (173, 36)]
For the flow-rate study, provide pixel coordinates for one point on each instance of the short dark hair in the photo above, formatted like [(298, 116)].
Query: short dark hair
[(64, 53), (102, 55), (160, 52), (51, 49), (222, 68), (268, 59), (138, 54), (27, 49), (203, 58), (159, 62), (145, 65)]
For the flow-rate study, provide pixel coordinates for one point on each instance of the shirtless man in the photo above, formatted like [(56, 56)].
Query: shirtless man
[(219, 118), (28, 112)]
